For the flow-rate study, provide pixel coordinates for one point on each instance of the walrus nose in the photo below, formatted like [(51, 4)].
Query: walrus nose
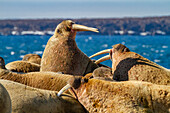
[(78, 27)]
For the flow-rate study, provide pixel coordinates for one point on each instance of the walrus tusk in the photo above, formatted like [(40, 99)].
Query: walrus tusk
[(100, 52), (107, 57), (78, 27), (66, 87)]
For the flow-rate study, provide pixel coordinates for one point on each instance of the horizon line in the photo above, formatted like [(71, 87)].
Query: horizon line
[(41, 18)]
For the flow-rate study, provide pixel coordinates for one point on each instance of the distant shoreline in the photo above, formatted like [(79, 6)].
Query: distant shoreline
[(126, 17), (142, 26)]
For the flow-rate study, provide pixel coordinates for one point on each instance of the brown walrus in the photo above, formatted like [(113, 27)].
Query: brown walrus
[(61, 53), (5, 100), (127, 65), (29, 63), (23, 66), (120, 97), (33, 58), (42, 80), (27, 99)]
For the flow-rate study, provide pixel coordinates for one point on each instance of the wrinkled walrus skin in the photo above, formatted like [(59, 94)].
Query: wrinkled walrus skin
[(127, 65), (23, 66), (61, 53), (26, 99), (33, 58), (124, 97), (43, 80), (5, 100)]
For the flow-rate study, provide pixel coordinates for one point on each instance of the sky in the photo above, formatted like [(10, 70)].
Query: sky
[(35, 9)]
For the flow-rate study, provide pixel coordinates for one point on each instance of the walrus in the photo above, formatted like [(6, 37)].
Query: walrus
[(23, 66), (120, 97), (29, 63), (27, 99), (102, 73), (127, 65), (42, 80), (61, 53), (33, 58)]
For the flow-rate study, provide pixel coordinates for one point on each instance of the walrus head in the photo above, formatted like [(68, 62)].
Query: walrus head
[(69, 28), (75, 82)]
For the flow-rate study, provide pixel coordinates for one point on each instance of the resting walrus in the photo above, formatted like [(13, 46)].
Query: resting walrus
[(61, 53), (127, 65)]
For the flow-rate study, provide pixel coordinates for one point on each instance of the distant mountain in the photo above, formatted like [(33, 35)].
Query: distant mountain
[(106, 26)]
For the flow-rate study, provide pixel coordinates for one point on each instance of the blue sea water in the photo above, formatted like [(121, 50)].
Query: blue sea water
[(155, 48)]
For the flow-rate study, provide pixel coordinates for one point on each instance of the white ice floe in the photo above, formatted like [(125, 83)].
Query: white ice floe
[(12, 52), (156, 60), (15, 33), (145, 46), (38, 52), (123, 43), (156, 51), (144, 53), (162, 51), (160, 32), (50, 32), (116, 32), (121, 32), (105, 45), (161, 54), (90, 38), (27, 32), (32, 33), (43, 46), (145, 33), (152, 49), (7, 47), (130, 32), (21, 56), (39, 33), (86, 40), (164, 46), (22, 51)]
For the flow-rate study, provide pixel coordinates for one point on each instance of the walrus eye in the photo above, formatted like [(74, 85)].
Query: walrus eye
[(68, 29), (126, 50), (85, 80), (58, 31)]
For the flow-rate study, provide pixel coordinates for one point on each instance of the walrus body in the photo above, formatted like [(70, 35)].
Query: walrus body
[(26, 99), (61, 53), (5, 100), (42, 80), (33, 58), (103, 96), (23, 66), (127, 65)]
